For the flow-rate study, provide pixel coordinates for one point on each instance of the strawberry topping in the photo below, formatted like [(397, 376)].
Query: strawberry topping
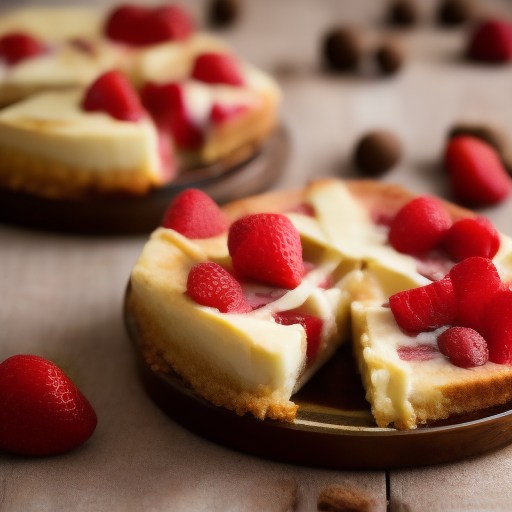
[(425, 308), (210, 285), (222, 113), (472, 237), (140, 26), (475, 281), (464, 347), (166, 103), (421, 352), (18, 46), (195, 215), (476, 172), (41, 411), (419, 226), (112, 93), (218, 68), (267, 247), (312, 325), (498, 331), (491, 42)]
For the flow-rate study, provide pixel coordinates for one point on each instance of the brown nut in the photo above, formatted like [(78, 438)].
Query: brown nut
[(377, 152), (403, 13), (455, 12), (342, 49), (222, 13), (389, 57)]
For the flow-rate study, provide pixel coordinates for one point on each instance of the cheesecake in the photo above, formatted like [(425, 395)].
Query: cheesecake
[(251, 361)]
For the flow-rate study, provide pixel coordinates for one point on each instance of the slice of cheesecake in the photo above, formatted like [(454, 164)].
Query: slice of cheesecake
[(51, 146)]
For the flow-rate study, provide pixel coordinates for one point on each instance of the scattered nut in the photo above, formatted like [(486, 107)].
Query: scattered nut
[(222, 13), (389, 57), (337, 498), (342, 49), (454, 12), (377, 152), (403, 13)]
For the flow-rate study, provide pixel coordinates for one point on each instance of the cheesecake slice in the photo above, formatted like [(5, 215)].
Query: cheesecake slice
[(51, 146)]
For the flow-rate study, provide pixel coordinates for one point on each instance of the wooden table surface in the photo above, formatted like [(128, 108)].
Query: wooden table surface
[(62, 295)]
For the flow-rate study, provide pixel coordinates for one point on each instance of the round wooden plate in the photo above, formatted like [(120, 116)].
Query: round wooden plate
[(334, 427), (122, 215)]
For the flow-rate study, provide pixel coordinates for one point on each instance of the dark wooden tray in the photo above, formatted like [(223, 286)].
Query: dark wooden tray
[(123, 215), (334, 427)]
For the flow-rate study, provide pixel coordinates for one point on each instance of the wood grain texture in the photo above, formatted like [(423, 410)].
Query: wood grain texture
[(62, 296)]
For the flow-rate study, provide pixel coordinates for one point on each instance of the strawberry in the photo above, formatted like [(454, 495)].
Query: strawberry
[(218, 68), (195, 215), (41, 411), (18, 46), (419, 226), (472, 237), (166, 103), (267, 247), (491, 42), (112, 93), (210, 285), (425, 308), (464, 347), (498, 315), (312, 325), (475, 281), (222, 113), (476, 172), (140, 26)]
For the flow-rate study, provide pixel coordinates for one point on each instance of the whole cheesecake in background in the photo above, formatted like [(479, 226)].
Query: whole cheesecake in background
[(195, 114), (226, 299)]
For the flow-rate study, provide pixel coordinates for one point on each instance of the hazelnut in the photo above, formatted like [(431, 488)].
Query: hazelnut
[(222, 13), (342, 49), (377, 152), (389, 57), (403, 13), (454, 12)]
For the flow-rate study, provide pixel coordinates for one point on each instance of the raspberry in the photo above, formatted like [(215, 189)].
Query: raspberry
[(491, 42), (464, 347), (419, 226), (267, 247), (498, 331), (210, 285), (218, 68), (475, 281), (312, 325), (167, 105), (477, 175), (195, 215), (472, 237), (113, 93), (140, 26), (222, 113), (425, 308), (18, 46), (41, 411)]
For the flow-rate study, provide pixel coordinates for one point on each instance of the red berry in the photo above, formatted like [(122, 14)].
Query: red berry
[(18, 46), (477, 175), (312, 325), (41, 411), (425, 308), (195, 215), (140, 26), (475, 281), (222, 113), (210, 285), (498, 328), (267, 247), (419, 226), (464, 347), (491, 42), (472, 237), (167, 105), (113, 93), (218, 68), (420, 352)]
